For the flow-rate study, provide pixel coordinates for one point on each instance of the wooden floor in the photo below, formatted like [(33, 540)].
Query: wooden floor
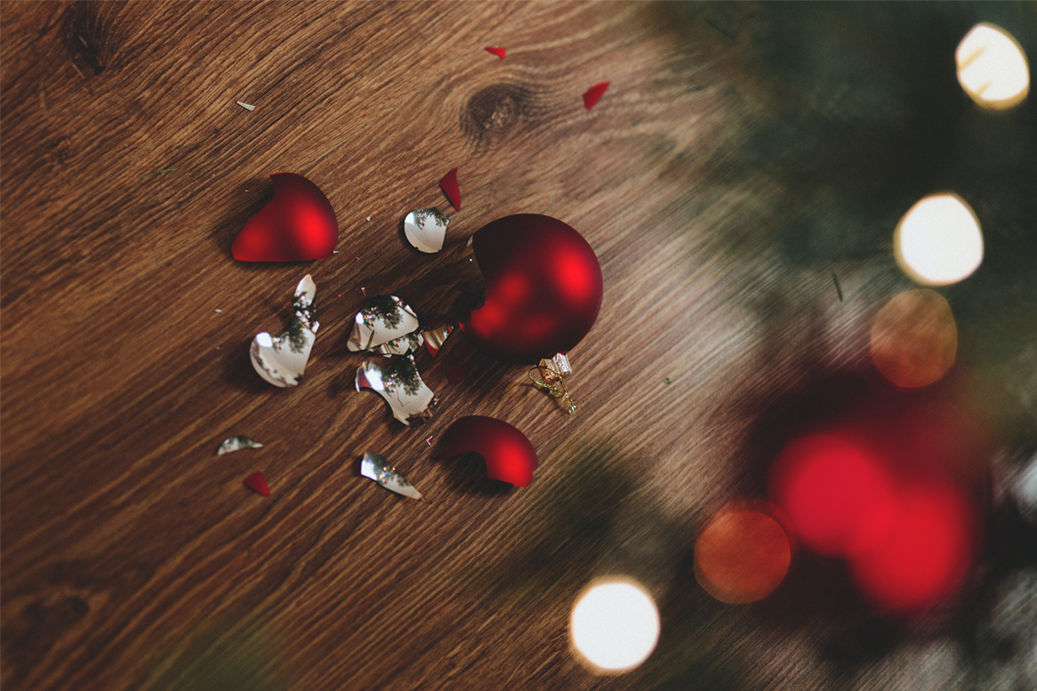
[(743, 155)]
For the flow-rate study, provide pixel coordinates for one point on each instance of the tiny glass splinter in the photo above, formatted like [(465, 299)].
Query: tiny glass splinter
[(236, 443), (425, 229), (399, 383), (383, 318), (380, 470), (281, 360)]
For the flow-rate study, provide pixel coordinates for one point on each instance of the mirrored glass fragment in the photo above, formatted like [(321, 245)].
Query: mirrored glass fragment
[(382, 319), (236, 443), (425, 229), (399, 383), (281, 360), (381, 471)]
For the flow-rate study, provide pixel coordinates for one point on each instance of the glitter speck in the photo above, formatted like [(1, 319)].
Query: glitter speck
[(666, 381), (219, 311), (429, 440)]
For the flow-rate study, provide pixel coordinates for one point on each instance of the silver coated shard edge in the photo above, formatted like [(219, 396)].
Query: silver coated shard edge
[(399, 383), (425, 229), (281, 360), (381, 319), (381, 471), (237, 443)]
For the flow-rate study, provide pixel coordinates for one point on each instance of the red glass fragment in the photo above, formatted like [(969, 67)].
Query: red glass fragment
[(594, 94), (257, 483), (298, 224), (450, 188), (456, 373), (508, 454), (499, 52)]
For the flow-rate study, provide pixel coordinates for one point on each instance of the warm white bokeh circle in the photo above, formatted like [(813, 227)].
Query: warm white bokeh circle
[(939, 241), (614, 625), (992, 67)]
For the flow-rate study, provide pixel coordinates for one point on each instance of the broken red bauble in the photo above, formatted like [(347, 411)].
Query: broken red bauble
[(298, 224), (592, 95), (257, 483), (450, 188), (543, 289), (509, 455)]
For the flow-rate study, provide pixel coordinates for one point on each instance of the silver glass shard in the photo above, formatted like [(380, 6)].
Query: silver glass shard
[(236, 443), (399, 383), (383, 318), (436, 337), (281, 360), (381, 471), (425, 229), (402, 345)]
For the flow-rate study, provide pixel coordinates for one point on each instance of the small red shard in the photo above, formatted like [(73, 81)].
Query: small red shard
[(594, 94), (450, 188), (455, 373), (499, 52), (257, 483)]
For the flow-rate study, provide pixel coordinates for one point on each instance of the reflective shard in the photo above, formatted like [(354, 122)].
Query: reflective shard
[(257, 483), (436, 337), (425, 229), (382, 472), (399, 383), (281, 360), (382, 319), (402, 345), (236, 443)]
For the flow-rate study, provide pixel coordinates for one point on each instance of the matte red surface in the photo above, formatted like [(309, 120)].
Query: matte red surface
[(257, 483), (594, 94), (509, 455), (543, 289), (298, 224)]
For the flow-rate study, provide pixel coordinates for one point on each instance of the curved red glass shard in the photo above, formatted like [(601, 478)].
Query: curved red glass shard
[(499, 52), (450, 188), (594, 94), (257, 483), (509, 455), (298, 224)]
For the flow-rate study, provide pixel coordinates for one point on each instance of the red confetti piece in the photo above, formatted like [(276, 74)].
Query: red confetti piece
[(450, 188), (455, 373), (499, 52), (594, 94), (257, 483)]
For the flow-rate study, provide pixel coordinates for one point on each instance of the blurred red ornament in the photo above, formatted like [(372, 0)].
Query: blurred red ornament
[(543, 288), (509, 455), (499, 52), (298, 224)]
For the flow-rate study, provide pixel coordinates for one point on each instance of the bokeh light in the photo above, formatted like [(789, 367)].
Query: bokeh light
[(992, 67), (614, 625), (914, 339), (838, 497), (741, 556), (939, 241), (927, 553)]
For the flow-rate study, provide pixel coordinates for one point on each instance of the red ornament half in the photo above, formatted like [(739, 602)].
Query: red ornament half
[(543, 288), (298, 224), (509, 455)]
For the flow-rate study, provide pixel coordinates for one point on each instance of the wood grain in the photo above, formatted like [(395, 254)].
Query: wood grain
[(742, 155)]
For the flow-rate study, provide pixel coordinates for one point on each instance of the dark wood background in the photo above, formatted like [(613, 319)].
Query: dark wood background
[(743, 154)]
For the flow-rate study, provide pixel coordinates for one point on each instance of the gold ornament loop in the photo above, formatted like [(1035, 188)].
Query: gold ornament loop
[(552, 382)]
